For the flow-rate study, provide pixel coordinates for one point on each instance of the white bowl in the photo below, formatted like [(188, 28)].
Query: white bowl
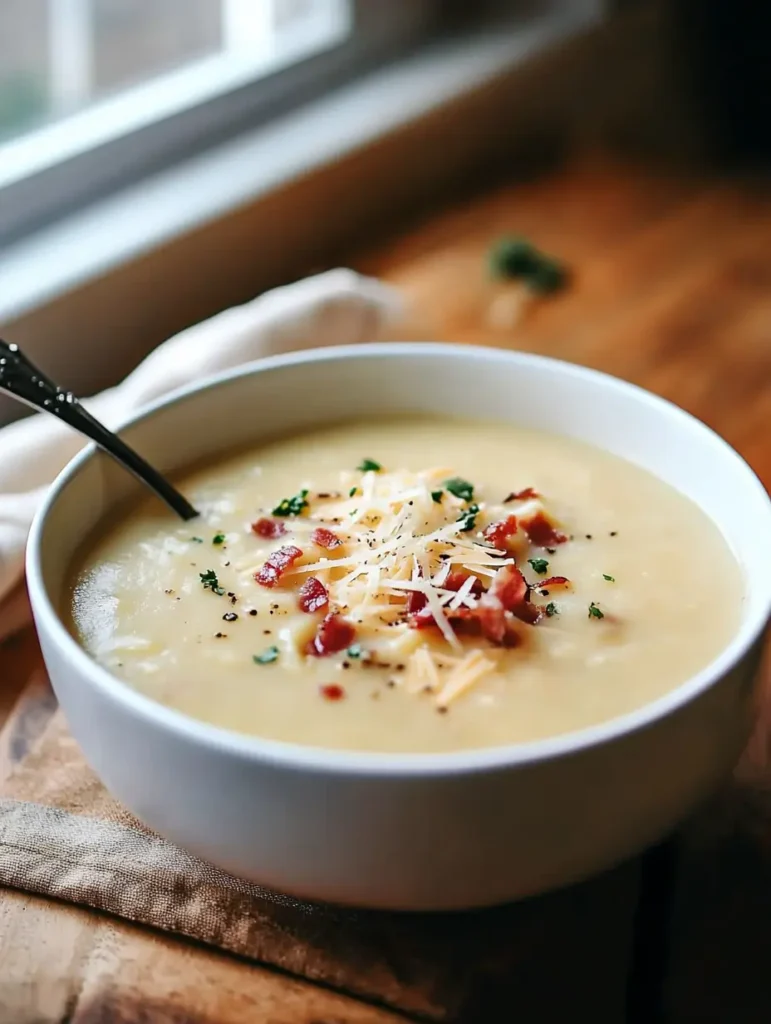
[(405, 831)]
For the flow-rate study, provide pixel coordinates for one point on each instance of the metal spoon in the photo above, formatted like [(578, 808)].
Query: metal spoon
[(22, 380)]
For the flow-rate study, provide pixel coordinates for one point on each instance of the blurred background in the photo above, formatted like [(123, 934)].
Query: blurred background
[(227, 146)]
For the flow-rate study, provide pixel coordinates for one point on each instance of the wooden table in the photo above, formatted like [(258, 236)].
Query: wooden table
[(671, 289)]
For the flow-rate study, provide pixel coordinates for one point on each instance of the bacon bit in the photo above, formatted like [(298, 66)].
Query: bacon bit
[(529, 492), (276, 565), (313, 596), (416, 602), (332, 691), (511, 588), (542, 532), (552, 581), (498, 533), (271, 529), (334, 633), (325, 538), (491, 616), (455, 581)]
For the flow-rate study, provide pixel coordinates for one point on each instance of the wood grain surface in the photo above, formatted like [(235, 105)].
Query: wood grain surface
[(671, 289)]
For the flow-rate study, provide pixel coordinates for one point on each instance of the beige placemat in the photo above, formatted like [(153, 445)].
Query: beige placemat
[(62, 835)]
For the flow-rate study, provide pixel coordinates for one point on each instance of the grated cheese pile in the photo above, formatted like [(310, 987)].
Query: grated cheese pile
[(400, 537)]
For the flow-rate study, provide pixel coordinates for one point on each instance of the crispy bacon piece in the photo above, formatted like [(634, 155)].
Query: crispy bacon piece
[(324, 538), (271, 529), (277, 564), (542, 532), (313, 596), (498, 533), (552, 581), (333, 634), (528, 492), (456, 579), (511, 588), (332, 691)]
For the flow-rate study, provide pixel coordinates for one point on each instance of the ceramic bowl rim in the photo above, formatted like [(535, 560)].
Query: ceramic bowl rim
[(319, 759)]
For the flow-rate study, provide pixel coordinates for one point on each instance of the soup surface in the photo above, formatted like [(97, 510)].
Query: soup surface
[(410, 585)]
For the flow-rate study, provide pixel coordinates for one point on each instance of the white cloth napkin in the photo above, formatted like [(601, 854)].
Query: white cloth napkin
[(335, 308)]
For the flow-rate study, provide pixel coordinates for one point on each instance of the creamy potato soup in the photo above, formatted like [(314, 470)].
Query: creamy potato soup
[(410, 585)]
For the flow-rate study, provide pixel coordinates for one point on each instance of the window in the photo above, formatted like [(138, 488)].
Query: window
[(96, 93)]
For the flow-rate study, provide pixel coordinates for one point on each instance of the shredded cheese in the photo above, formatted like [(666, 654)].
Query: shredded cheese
[(396, 542)]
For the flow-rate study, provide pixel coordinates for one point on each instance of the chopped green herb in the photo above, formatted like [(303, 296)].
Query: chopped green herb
[(540, 565), (210, 582), (354, 512), (356, 651), (292, 506), (352, 492), (369, 466), (550, 276), (468, 518), (218, 538), (551, 609), (197, 540), (460, 488), (436, 497), (594, 612), (519, 258), (269, 655), (512, 257), (610, 579)]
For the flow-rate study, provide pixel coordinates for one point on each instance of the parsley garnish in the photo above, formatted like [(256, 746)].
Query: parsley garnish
[(540, 565), (436, 497), (355, 651), (351, 492), (551, 609), (519, 258), (292, 506), (468, 519), (594, 612), (610, 579), (218, 538), (268, 655), (210, 582), (460, 488), (197, 540), (369, 466)]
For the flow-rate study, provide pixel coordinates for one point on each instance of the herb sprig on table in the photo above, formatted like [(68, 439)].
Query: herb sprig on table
[(517, 258)]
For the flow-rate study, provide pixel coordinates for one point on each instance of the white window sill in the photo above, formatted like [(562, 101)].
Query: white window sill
[(71, 253)]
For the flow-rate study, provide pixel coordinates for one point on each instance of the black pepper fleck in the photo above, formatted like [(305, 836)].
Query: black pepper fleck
[(266, 632), (544, 592), (346, 664), (614, 533), (220, 636), (168, 591), (391, 683), (588, 536), (552, 551), (252, 611), (226, 564), (230, 616), (442, 709)]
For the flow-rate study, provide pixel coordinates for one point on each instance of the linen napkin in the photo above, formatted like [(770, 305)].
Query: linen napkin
[(63, 836), (339, 307)]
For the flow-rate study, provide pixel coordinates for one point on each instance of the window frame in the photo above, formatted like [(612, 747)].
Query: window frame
[(39, 185)]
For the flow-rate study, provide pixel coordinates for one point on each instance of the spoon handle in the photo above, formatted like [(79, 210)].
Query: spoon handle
[(21, 379)]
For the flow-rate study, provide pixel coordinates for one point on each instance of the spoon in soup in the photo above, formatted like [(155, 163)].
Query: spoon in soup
[(22, 380)]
